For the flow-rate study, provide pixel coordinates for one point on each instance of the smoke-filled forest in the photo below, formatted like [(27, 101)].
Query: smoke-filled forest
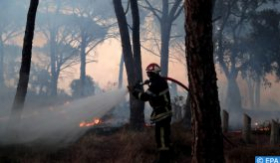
[(139, 81)]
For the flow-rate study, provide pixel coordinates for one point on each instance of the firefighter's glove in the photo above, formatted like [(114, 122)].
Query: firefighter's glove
[(137, 86), (152, 122), (134, 88)]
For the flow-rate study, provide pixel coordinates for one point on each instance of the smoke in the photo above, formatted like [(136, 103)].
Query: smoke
[(59, 126)]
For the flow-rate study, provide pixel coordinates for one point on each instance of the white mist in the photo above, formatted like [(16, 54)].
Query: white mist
[(60, 125)]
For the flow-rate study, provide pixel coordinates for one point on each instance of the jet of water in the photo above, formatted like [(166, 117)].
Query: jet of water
[(60, 125)]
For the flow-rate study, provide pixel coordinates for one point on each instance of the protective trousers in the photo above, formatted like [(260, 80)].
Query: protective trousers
[(162, 134)]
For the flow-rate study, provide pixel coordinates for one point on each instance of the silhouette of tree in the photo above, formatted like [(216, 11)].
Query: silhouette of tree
[(132, 59), (19, 100), (166, 15), (206, 121)]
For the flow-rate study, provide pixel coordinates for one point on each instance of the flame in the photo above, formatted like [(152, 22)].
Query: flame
[(94, 121), (262, 127)]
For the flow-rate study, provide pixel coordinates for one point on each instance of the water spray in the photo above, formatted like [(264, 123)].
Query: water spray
[(62, 124)]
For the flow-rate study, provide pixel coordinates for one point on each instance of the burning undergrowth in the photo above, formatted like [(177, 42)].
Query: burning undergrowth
[(259, 145), (262, 127), (93, 122), (118, 146)]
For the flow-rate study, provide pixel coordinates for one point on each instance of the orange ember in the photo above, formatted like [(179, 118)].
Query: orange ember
[(263, 127), (95, 121)]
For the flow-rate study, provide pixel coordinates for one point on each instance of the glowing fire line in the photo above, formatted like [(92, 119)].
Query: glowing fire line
[(95, 121)]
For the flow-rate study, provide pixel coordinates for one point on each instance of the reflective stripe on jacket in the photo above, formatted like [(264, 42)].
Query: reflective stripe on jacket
[(159, 98)]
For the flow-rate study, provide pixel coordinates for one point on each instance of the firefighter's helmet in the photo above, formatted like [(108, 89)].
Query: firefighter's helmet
[(153, 68)]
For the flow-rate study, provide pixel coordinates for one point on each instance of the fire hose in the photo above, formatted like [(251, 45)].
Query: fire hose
[(170, 79), (187, 89)]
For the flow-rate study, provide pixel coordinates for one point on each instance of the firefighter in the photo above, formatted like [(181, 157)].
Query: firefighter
[(159, 98)]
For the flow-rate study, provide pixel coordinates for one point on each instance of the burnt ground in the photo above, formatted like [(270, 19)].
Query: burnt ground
[(118, 145)]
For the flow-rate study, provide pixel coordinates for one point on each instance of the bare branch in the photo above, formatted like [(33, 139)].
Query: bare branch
[(94, 45), (154, 11), (70, 64), (91, 61), (149, 50), (151, 8), (127, 7), (174, 9), (12, 34), (172, 58), (129, 26), (157, 43), (178, 13), (176, 36), (223, 65)]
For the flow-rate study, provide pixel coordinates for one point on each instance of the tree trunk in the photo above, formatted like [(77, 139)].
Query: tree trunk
[(137, 115), (169, 13), (206, 120), (165, 39), (246, 130), (233, 101), (233, 96), (53, 62), (83, 64), (274, 133), (1, 62), (121, 73), (250, 84), (165, 29), (125, 40), (136, 121), (258, 94), (19, 100)]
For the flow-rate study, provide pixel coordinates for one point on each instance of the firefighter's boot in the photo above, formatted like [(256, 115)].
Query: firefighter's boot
[(164, 157)]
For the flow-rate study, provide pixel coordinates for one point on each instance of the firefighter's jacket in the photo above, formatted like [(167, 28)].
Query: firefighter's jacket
[(158, 96)]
